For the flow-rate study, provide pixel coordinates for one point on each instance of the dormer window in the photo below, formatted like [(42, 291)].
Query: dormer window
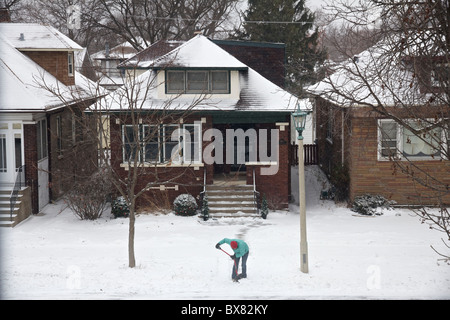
[(198, 81), (70, 64)]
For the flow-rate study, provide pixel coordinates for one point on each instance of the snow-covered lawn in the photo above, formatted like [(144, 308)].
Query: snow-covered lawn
[(57, 256)]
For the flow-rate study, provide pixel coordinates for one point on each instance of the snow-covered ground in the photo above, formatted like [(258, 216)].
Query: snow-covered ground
[(57, 256)]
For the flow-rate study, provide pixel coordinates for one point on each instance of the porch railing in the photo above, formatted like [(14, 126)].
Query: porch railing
[(310, 154), (18, 184)]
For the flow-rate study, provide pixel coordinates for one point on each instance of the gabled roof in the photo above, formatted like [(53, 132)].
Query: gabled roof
[(22, 84), (199, 52), (145, 58), (256, 92), (120, 52), (376, 76), (32, 36)]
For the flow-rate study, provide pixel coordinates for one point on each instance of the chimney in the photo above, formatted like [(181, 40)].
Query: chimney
[(22, 37), (4, 15)]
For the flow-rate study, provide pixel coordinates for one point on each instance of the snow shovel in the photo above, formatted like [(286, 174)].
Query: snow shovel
[(235, 266)]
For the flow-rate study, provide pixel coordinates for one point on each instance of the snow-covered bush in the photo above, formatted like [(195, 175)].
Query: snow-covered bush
[(87, 199), (120, 208), (185, 205), (367, 204)]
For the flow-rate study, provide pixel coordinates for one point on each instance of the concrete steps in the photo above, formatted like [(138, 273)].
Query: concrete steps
[(231, 201), (18, 214)]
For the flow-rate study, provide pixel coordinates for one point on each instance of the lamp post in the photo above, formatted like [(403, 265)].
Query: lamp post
[(299, 119)]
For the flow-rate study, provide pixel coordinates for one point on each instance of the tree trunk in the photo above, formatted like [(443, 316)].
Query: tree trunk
[(131, 258)]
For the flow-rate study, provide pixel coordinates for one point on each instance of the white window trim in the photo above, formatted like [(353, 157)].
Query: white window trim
[(161, 162), (71, 64), (399, 138)]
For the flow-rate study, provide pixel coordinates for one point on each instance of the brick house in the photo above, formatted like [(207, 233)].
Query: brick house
[(40, 135), (198, 87), (363, 148)]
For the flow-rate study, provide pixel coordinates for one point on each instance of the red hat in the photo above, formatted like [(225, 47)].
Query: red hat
[(233, 244)]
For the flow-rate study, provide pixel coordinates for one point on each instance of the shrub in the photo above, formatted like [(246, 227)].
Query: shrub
[(367, 204), (264, 207), (185, 205), (87, 199), (120, 208), (205, 208)]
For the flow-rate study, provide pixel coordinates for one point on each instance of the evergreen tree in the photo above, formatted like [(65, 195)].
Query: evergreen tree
[(291, 23), (205, 208), (264, 207)]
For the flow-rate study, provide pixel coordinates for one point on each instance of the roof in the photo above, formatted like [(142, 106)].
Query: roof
[(376, 76), (120, 52), (146, 57), (256, 92), (32, 36), (22, 84), (199, 52)]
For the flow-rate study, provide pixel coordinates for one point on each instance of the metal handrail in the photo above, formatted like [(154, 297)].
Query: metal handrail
[(256, 195), (15, 191)]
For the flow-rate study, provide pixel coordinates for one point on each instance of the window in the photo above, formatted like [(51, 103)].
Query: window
[(398, 141), (159, 143), (70, 63), (175, 81), (192, 143), (131, 140), (41, 134), (388, 142), (3, 165), (59, 134), (424, 146), (197, 81)]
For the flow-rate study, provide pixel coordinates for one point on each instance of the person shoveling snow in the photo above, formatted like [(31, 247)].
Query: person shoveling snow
[(240, 249)]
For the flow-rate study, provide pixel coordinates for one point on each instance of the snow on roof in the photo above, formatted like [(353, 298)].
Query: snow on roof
[(122, 51), (32, 36), (199, 52), (22, 84), (146, 57), (378, 75), (256, 93)]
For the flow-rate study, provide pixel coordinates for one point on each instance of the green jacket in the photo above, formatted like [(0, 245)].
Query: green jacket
[(240, 250)]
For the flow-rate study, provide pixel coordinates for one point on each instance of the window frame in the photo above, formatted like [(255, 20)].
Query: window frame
[(71, 64), (209, 82), (400, 136), (161, 158)]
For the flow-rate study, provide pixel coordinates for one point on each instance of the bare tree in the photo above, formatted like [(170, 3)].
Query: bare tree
[(403, 78), (166, 19), (128, 127)]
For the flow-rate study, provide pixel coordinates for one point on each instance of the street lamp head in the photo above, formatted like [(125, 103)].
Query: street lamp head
[(299, 118)]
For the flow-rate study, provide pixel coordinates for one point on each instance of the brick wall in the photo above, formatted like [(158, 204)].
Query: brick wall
[(54, 62), (277, 187), (76, 160), (190, 180), (31, 159), (367, 174)]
